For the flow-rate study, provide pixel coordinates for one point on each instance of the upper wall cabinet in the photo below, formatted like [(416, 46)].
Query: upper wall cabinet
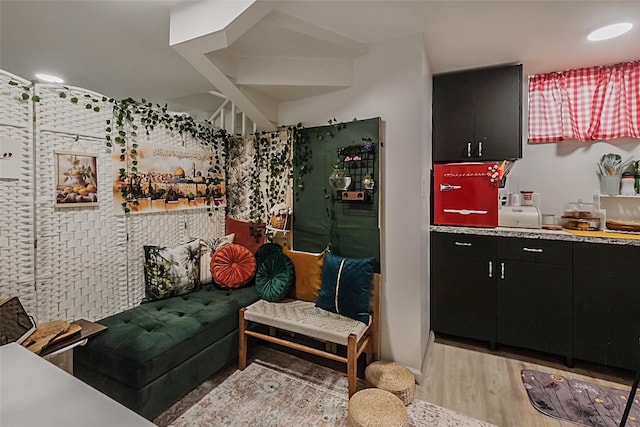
[(477, 115)]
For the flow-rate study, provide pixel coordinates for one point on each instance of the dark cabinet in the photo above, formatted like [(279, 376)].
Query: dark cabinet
[(477, 115), (606, 317), (534, 295), (463, 287)]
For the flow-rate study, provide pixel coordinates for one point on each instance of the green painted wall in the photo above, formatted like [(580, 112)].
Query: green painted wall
[(319, 218)]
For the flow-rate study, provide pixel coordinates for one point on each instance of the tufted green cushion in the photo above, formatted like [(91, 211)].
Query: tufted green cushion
[(275, 276), (346, 286), (265, 250), (146, 341)]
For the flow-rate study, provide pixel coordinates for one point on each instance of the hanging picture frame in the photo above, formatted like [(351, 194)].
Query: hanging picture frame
[(76, 179)]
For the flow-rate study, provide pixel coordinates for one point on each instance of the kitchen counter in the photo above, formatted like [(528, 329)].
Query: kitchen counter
[(531, 233)]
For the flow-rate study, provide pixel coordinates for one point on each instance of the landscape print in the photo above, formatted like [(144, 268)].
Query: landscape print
[(167, 179)]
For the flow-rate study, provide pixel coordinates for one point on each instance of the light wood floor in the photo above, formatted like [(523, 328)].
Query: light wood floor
[(487, 385)]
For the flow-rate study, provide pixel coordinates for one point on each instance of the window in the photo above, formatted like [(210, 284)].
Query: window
[(586, 104)]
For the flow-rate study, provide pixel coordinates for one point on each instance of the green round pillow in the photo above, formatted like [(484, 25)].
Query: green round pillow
[(265, 250), (275, 276)]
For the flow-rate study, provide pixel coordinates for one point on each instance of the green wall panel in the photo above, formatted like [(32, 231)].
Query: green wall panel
[(355, 231)]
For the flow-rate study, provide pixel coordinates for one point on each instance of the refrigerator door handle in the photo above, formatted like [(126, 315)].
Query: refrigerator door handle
[(449, 187), (468, 149), (479, 148), (465, 211)]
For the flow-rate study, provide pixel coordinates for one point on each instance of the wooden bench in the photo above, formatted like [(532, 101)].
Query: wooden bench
[(302, 317)]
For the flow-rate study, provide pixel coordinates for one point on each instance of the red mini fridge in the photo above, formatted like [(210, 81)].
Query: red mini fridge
[(466, 194)]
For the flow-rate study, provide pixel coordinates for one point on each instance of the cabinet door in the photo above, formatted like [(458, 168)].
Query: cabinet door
[(606, 309), (534, 306), (452, 117), (498, 113), (477, 115), (534, 294), (463, 287)]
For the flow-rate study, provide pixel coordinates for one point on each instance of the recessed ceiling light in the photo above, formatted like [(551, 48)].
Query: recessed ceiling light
[(49, 78), (609, 31)]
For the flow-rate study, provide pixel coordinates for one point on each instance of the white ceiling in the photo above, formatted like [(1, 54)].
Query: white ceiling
[(121, 48)]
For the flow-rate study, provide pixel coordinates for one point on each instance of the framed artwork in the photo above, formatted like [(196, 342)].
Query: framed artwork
[(168, 178), (76, 179)]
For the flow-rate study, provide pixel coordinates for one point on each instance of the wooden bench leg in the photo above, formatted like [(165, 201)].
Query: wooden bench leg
[(352, 363), (242, 342), (369, 351)]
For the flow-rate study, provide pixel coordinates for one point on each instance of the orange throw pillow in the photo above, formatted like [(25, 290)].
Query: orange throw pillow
[(308, 268), (232, 266)]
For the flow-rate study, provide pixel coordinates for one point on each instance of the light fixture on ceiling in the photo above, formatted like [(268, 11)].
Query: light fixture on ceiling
[(49, 78), (609, 31)]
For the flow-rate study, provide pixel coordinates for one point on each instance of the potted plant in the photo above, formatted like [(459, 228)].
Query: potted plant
[(339, 178), (367, 182)]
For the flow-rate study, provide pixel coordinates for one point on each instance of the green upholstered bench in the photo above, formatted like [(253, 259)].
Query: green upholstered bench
[(153, 354)]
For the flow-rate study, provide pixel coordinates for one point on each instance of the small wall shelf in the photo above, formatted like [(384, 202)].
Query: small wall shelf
[(619, 196), (359, 161), (619, 207)]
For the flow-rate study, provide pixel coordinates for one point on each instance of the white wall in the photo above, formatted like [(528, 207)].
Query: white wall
[(393, 82), (565, 171), (196, 19)]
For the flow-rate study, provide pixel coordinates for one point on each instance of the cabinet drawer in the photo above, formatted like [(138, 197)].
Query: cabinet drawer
[(535, 250), (466, 244)]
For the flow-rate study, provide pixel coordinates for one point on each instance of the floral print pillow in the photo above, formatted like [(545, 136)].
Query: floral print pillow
[(171, 271)]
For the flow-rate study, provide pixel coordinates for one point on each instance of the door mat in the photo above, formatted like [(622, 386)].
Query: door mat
[(579, 402)]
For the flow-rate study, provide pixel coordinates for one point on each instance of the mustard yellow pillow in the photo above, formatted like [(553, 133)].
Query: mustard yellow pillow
[(308, 267)]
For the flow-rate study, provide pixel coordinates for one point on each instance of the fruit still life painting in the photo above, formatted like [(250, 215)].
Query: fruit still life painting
[(76, 179)]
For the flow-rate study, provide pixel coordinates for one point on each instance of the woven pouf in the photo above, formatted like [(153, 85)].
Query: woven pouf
[(373, 407), (393, 377)]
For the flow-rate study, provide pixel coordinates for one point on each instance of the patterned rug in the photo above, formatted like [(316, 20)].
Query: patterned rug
[(579, 402), (282, 390)]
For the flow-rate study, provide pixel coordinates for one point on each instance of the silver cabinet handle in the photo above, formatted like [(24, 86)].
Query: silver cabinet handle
[(480, 149), (536, 250), (502, 270), (463, 244), (468, 149), (490, 268)]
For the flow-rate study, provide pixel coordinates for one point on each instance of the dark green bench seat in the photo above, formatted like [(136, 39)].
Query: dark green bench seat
[(153, 354)]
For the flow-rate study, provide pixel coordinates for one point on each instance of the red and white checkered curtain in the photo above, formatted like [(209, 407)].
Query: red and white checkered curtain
[(586, 104)]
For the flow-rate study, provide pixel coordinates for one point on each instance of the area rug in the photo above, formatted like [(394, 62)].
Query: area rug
[(294, 392), (579, 402)]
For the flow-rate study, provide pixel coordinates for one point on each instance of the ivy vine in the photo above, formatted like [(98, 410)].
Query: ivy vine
[(123, 132), (273, 160)]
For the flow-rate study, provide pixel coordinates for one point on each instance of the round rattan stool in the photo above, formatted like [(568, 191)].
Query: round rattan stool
[(373, 407), (393, 377)]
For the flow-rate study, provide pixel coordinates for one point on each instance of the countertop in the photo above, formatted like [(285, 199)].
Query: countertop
[(38, 393), (531, 233)]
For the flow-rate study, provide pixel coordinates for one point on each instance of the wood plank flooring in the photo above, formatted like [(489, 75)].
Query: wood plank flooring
[(486, 385)]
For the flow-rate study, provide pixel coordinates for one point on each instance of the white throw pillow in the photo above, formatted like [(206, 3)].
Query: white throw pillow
[(208, 247)]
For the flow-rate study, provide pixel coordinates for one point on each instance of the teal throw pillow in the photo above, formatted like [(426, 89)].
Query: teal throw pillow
[(275, 276), (265, 250), (346, 285)]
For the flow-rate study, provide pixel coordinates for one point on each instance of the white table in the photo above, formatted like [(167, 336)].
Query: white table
[(34, 392)]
